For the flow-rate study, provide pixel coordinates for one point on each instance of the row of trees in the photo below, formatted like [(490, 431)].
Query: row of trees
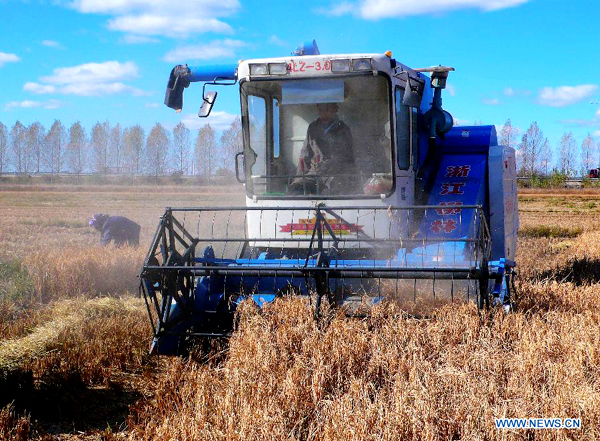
[(535, 155), (107, 149)]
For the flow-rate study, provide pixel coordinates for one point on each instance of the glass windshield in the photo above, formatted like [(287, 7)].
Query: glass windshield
[(318, 137)]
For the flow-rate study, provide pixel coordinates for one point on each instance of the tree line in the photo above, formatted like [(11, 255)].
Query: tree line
[(107, 149), (535, 154)]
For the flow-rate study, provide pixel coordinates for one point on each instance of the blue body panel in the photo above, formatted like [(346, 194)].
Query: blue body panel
[(460, 180), (469, 139), (212, 73)]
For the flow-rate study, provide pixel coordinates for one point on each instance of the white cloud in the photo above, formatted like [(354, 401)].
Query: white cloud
[(451, 89), (378, 9), (8, 58), (152, 105), (581, 122), (215, 49), (162, 17), (218, 120), (278, 41), (28, 104), (598, 113), (512, 92), (565, 95), (597, 133), (52, 43), (341, 8), (461, 122), (175, 27), (138, 39), (38, 88), (93, 72), (90, 79), (491, 101)]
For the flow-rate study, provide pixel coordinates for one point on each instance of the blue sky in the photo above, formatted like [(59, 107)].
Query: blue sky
[(93, 60)]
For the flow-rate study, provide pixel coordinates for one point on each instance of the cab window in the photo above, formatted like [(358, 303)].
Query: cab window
[(403, 117)]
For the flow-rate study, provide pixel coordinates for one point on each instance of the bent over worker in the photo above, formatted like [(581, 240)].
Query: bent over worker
[(119, 229)]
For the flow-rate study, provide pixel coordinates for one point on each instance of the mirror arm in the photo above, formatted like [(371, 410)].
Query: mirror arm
[(182, 75)]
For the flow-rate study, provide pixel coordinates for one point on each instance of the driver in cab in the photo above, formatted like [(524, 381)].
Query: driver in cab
[(326, 163)]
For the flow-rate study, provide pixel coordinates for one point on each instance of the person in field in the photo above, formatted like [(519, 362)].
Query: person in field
[(118, 229)]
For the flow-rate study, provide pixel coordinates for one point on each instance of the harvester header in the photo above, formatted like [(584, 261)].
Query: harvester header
[(358, 189)]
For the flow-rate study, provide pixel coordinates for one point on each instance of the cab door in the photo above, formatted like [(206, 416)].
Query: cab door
[(406, 148)]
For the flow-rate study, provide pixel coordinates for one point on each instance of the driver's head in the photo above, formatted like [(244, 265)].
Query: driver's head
[(327, 111)]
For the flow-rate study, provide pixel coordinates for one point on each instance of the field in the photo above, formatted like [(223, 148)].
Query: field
[(74, 338)]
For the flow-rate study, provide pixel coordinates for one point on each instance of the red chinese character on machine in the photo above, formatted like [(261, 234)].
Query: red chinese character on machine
[(453, 208), (443, 225), (452, 188), (458, 171)]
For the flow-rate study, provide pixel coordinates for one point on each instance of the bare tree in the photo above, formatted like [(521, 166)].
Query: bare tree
[(588, 154), (115, 147), (508, 137), (99, 144), (531, 149), (133, 147), (19, 148), (35, 144), (3, 148), (157, 150), (545, 156), (509, 134), (205, 151), (231, 143), (56, 141), (568, 151), (77, 148), (181, 146)]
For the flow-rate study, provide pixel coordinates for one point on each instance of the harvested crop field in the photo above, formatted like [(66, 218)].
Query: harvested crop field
[(74, 338)]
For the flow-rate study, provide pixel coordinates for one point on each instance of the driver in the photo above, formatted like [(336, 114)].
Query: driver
[(327, 152)]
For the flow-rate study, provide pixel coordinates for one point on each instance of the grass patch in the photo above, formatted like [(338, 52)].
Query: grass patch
[(550, 231), (15, 282), (55, 223), (13, 426)]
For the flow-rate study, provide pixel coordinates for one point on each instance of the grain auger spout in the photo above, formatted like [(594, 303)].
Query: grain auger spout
[(358, 190)]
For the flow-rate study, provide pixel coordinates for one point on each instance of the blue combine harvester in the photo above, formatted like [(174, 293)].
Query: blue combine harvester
[(358, 189)]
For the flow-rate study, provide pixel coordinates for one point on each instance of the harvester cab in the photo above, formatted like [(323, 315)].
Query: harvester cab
[(358, 189)]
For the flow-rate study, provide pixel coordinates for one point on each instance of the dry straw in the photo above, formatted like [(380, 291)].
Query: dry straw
[(89, 272), (387, 377)]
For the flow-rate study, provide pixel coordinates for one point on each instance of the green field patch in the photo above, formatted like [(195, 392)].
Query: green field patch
[(63, 223), (550, 231), (15, 282)]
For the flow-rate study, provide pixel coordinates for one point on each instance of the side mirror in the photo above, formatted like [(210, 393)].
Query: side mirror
[(208, 100), (413, 94), (237, 167)]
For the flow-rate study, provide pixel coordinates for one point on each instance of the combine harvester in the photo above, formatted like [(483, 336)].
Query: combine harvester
[(380, 198)]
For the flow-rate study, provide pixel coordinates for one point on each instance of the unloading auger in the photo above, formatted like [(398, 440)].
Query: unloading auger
[(358, 189)]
